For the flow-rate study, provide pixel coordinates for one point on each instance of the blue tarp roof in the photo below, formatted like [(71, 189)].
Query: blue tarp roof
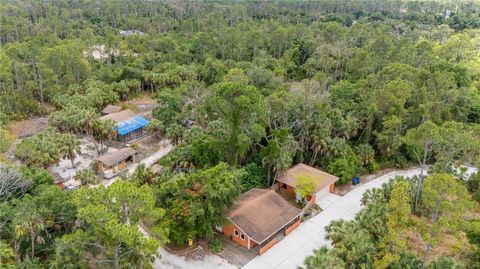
[(131, 125)]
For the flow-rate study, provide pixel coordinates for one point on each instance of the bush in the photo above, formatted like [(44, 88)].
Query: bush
[(472, 230), (252, 176), (216, 245), (345, 167), (373, 167), (443, 263)]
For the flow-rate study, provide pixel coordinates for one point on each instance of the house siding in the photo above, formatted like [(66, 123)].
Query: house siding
[(292, 227), (228, 231), (332, 187)]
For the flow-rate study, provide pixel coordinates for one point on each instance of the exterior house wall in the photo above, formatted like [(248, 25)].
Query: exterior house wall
[(332, 187), (61, 186), (99, 167), (121, 165), (228, 230), (132, 135), (292, 227), (268, 246)]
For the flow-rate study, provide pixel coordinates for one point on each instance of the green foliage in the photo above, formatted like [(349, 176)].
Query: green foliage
[(216, 245), (86, 176), (252, 176), (142, 175), (47, 148), (323, 258), (241, 111), (472, 229), (444, 201), (6, 140), (345, 167), (7, 256), (443, 263), (305, 185), (196, 202), (110, 217), (394, 243)]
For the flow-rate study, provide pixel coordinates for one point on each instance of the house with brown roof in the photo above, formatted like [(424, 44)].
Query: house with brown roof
[(112, 163), (59, 180), (129, 125), (323, 182), (259, 219)]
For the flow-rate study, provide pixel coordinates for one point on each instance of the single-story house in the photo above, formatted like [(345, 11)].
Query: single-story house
[(109, 109), (59, 180), (259, 219), (323, 182), (115, 162), (130, 126)]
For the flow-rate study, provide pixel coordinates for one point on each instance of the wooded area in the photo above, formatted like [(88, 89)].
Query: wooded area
[(245, 90)]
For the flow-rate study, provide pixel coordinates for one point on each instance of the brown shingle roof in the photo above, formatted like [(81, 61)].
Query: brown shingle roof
[(292, 175), (116, 156), (119, 116), (260, 213), (111, 109), (58, 178)]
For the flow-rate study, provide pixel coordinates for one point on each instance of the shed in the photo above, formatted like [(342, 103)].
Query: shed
[(59, 180), (323, 181), (115, 162), (129, 126), (260, 218)]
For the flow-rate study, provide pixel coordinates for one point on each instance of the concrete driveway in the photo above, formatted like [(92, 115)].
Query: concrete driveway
[(294, 248)]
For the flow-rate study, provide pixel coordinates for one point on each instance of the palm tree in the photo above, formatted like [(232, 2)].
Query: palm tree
[(143, 175), (103, 130), (156, 128), (366, 153), (89, 120), (70, 148), (86, 176), (7, 254), (175, 133), (31, 226)]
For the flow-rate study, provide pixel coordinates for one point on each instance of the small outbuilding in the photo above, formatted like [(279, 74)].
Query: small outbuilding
[(109, 109), (115, 162), (129, 125), (259, 219), (59, 180), (322, 182)]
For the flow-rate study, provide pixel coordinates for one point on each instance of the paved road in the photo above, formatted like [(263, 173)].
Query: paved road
[(294, 248)]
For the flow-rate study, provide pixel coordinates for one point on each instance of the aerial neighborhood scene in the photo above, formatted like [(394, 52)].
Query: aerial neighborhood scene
[(259, 134)]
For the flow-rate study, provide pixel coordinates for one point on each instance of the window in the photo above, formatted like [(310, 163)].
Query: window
[(242, 236), (235, 232)]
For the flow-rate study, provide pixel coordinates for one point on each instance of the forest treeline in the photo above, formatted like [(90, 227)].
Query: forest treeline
[(244, 91)]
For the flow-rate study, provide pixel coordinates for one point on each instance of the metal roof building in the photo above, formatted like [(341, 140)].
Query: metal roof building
[(130, 126)]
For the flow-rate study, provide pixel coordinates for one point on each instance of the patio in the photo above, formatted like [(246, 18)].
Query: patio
[(235, 253)]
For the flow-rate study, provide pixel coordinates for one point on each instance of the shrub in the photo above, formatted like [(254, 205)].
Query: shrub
[(345, 167), (252, 176), (216, 245)]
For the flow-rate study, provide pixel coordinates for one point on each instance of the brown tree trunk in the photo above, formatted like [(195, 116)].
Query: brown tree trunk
[(116, 257)]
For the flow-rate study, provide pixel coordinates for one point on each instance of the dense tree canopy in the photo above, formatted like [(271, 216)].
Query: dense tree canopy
[(244, 90)]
